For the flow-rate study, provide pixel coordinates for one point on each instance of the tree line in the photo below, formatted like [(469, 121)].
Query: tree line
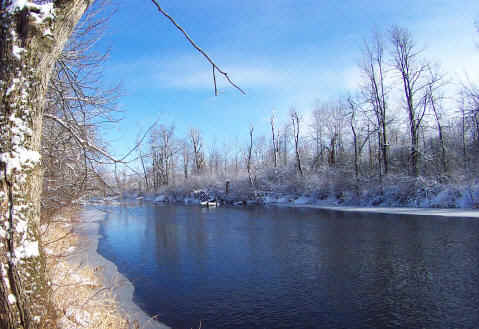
[(406, 118)]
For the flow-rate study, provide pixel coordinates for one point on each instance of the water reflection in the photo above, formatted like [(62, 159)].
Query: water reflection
[(296, 268)]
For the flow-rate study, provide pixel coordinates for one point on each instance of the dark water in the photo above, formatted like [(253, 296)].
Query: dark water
[(296, 268)]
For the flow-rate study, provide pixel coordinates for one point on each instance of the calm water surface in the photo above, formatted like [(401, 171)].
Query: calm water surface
[(296, 268)]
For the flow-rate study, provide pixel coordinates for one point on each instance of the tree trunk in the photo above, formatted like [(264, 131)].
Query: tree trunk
[(384, 146), (248, 160), (32, 37), (145, 174), (296, 121)]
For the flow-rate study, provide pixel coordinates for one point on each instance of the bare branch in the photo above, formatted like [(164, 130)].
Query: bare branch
[(80, 140), (161, 10)]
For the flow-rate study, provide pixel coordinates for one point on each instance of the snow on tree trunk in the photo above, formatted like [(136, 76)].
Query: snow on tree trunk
[(32, 35)]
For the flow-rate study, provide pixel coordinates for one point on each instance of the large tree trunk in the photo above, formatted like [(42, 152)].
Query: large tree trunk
[(32, 37)]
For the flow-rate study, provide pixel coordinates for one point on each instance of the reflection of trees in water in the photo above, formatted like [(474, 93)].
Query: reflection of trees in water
[(166, 234)]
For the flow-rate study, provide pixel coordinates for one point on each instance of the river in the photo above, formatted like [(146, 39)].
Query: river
[(295, 268)]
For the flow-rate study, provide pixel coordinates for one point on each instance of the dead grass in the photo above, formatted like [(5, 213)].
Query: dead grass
[(78, 294)]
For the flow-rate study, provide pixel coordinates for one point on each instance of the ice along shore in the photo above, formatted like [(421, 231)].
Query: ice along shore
[(88, 229)]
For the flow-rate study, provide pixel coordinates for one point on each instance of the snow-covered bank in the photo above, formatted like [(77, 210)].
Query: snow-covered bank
[(307, 201), (88, 230), (327, 189)]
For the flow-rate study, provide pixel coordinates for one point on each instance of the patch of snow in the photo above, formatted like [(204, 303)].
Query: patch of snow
[(11, 299), (285, 199), (12, 87), (79, 316), (161, 198), (22, 226), (17, 51), (48, 33), (302, 200), (22, 157), (27, 249), (81, 279), (46, 10), (269, 199)]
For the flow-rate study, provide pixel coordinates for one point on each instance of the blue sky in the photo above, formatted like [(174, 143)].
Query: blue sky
[(283, 53)]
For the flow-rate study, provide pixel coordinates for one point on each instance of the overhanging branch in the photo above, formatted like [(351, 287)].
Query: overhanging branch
[(215, 67)]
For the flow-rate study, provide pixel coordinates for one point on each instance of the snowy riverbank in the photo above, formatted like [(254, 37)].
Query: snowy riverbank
[(442, 204), (392, 192), (88, 231)]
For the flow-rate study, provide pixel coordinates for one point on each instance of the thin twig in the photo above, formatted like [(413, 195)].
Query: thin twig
[(197, 48)]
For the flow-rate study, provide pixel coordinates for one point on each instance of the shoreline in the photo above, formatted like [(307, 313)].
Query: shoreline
[(88, 230), (442, 212), (471, 213)]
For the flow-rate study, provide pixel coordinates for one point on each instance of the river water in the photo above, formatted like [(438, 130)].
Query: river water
[(296, 268)]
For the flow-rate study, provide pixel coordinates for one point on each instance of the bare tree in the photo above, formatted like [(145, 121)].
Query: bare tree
[(198, 155), (76, 106), (283, 140), (360, 135), (336, 114), (186, 157), (162, 152), (375, 92), (471, 106), (214, 160), (317, 126), (296, 122), (412, 69), (145, 172), (249, 159), (435, 101), (274, 140)]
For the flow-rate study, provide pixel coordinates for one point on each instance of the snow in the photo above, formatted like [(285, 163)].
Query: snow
[(463, 213), (47, 33), (12, 87), (11, 299), (302, 200), (26, 249), (22, 226), (22, 158), (80, 316), (17, 52), (161, 198), (46, 10)]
